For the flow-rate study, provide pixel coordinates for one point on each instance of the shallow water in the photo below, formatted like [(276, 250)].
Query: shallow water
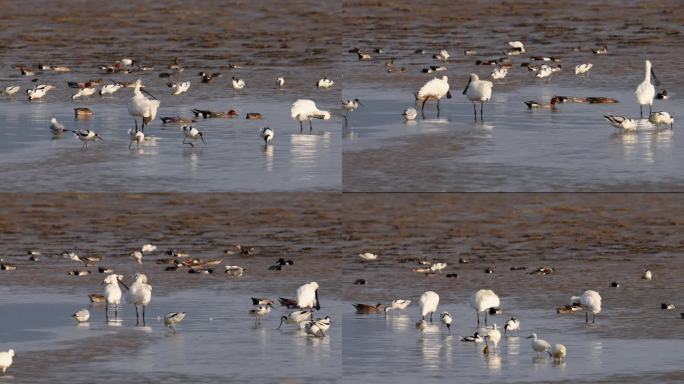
[(217, 341), (405, 356), (233, 159), (513, 149)]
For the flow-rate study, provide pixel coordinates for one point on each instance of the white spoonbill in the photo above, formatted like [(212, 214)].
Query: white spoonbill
[(558, 352), (141, 106), (512, 325), (6, 360), (621, 122), (661, 118), (307, 296), (140, 294), (267, 134), (591, 302), (192, 133), (482, 301), (434, 89), (645, 91), (148, 248), (173, 318), (428, 304), (410, 114), (86, 136), (82, 315), (112, 294), (304, 109), (539, 345), (56, 128), (446, 320), (137, 255), (478, 90), (137, 138)]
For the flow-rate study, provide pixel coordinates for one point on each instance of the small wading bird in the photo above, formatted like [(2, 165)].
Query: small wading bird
[(295, 317), (81, 316), (325, 83), (179, 88), (192, 133), (446, 320), (539, 345), (478, 90), (237, 83), (661, 118), (137, 138), (304, 109), (645, 91), (173, 318), (6, 360), (434, 89), (410, 114), (56, 128), (266, 134), (86, 136), (260, 311), (621, 122), (142, 107)]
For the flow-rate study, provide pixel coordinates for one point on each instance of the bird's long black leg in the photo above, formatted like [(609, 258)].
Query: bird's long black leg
[(485, 318), (431, 313), (586, 317), (136, 124), (310, 126), (422, 108), (143, 315), (437, 107), (137, 322), (478, 318), (106, 311), (641, 110), (481, 108), (475, 113), (301, 127)]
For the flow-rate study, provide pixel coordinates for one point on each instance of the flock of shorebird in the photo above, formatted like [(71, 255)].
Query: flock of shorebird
[(480, 91), (487, 302), (146, 108), (139, 293)]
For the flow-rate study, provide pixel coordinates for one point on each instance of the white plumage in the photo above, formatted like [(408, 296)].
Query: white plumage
[(499, 73), (6, 360), (192, 133), (591, 302), (142, 107), (237, 83), (512, 325), (478, 90), (267, 134), (38, 92), (137, 138), (12, 89), (173, 318), (295, 317), (137, 256), (434, 89), (661, 118), (86, 136), (139, 294), (539, 345), (180, 88), (260, 311), (325, 83), (397, 304), (304, 109), (307, 296), (112, 294), (55, 127), (367, 256), (648, 275), (109, 89), (518, 47), (446, 320), (493, 335), (558, 352), (621, 122), (82, 315), (84, 92), (583, 69), (645, 91), (483, 300), (410, 113), (280, 82), (148, 248), (428, 304), (318, 327)]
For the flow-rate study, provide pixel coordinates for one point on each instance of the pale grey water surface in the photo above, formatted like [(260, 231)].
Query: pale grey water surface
[(217, 342)]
